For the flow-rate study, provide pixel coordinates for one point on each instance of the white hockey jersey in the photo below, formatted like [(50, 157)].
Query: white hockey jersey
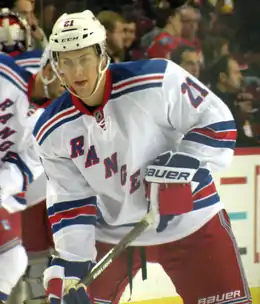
[(150, 107), (19, 163), (30, 60)]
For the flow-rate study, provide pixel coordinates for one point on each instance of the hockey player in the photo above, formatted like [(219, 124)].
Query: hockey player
[(19, 164), (117, 126)]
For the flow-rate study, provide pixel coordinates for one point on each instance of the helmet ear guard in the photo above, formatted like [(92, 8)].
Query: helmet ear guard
[(15, 33)]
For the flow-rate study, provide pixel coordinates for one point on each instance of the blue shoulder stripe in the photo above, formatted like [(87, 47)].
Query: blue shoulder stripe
[(31, 60), (63, 102), (133, 89), (57, 123), (126, 70), (15, 74), (34, 54), (58, 113)]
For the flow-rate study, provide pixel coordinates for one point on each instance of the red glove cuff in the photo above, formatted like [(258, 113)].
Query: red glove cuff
[(55, 287), (175, 199)]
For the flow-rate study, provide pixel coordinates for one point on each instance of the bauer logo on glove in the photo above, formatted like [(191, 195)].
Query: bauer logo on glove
[(168, 188), (172, 167), (160, 175)]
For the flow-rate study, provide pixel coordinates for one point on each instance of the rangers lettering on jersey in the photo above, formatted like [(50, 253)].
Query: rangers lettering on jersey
[(6, 132)]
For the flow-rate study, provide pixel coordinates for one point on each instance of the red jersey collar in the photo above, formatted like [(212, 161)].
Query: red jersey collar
[(30, 87), (108, 88)]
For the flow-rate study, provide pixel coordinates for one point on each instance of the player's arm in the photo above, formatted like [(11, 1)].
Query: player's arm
[(208, 141), (21, 162), (72, 210), (22, 165), (208, 127), (17, 172)]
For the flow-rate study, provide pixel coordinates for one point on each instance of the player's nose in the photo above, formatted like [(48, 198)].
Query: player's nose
[(78, 71)]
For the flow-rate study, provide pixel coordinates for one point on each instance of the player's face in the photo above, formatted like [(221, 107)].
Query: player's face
[(80, 70)]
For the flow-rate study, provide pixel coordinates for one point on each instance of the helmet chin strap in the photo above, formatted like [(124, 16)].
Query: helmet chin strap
[(46, 82), (100, 74)]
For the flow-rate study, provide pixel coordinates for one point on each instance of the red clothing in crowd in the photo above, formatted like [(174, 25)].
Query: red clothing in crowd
[(165, 43)]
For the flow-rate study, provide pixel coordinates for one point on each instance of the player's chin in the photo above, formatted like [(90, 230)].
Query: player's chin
[(83, 92)]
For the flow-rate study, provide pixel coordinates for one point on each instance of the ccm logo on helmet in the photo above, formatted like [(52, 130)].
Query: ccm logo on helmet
[(168, 174), (69, 39)]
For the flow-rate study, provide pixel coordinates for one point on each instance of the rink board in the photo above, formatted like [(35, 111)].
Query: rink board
[(239, 189)]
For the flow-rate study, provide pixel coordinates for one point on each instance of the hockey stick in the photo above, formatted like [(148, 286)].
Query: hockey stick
[(118, 249)]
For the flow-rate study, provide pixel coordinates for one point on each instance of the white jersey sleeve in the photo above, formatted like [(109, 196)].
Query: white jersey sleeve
[(206, 122), (71, 203), (71, 206)]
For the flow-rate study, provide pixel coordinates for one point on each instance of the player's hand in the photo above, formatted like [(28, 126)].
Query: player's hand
[(60, 281), (168, 187), (36, 32), (77, 295), (244, 102)]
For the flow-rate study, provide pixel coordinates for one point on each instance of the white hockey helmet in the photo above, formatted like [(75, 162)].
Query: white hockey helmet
[(15, 32), (76, 31)]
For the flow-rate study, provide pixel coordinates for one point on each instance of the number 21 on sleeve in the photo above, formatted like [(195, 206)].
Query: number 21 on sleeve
[(188, 87)]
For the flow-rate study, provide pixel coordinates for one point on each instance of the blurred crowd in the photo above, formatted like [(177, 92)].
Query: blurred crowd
[(215, 40)]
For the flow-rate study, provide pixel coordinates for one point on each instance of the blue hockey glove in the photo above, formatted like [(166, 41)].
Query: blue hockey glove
[(168, 187), (61, 278)]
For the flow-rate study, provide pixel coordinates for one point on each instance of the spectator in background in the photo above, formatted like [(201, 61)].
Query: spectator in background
[(25, 9), (226, 79), (71, 6), (227, 83), (189, 58), (190, 18), (214, 48), (169, 37), (33, 4), (114, 25), (130, 35), (47, 15)]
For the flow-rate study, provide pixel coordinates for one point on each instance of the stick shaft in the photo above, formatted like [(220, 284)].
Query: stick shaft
[(118, 249)]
